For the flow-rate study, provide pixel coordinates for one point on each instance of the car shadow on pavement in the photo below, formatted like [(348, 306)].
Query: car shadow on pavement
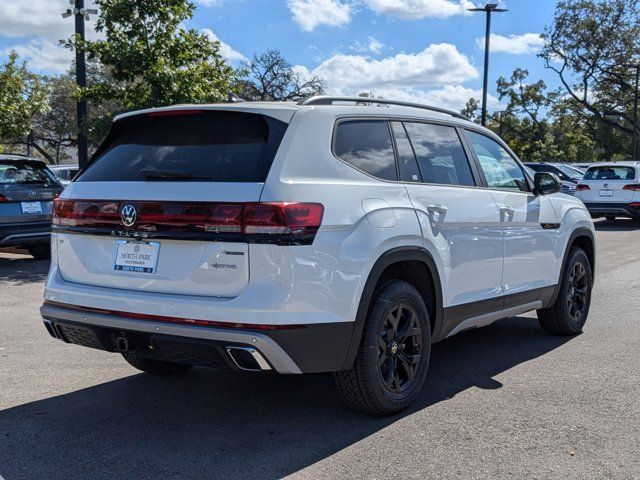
[(219, 424), (22, 269), (621, 225)]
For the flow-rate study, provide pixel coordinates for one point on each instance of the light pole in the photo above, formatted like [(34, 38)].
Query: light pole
[(81, 14), (488, 9), (634, 142)]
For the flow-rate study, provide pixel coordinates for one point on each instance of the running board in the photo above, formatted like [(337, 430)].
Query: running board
[(488, 318)]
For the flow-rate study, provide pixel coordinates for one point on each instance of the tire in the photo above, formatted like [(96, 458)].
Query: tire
[(40, 251), (569, 313), (156, 367), (392, 386)]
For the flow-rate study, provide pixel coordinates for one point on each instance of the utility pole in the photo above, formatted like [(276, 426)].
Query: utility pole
[(81, 15), (488, 9), (634, 142)]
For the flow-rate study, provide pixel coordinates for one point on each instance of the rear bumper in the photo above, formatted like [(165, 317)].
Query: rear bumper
[(619, 209), (311, 349), (21, 234)]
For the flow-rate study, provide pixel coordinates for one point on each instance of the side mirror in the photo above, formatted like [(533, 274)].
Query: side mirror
[(545, 183)]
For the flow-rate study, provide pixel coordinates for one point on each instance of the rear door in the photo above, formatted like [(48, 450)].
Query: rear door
[(460, 221), (607, 184), (159, 208), (27, 189)]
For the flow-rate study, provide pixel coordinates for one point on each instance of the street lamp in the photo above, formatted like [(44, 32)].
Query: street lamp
[(81, 15), (488, 9)]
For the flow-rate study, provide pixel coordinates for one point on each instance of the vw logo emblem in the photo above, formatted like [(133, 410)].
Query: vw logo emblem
[(32, 194), (606, 185), (128, 215)]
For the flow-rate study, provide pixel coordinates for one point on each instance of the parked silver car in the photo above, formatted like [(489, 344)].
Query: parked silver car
[(27, 190)]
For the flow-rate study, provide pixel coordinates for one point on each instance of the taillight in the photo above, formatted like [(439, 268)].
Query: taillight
[(269, 222), (582, 187), (633, 186), (3, 198), (282, 218)]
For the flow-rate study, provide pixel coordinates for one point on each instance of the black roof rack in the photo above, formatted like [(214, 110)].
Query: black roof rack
[(327, 100)]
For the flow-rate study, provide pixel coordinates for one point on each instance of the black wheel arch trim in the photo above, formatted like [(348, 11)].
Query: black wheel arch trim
[(395, 255), (577, 233)]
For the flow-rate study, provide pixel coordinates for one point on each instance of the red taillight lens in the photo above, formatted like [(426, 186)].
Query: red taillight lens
[(282, 218), (3, 198), (633, 186), (287, 219), (582, 187)]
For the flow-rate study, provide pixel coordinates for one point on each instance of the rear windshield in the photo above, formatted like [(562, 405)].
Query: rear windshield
[(17, 172), (198, 145), (610, 173)]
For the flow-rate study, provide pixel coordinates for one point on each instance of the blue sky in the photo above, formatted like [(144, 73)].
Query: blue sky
[(425, 50)]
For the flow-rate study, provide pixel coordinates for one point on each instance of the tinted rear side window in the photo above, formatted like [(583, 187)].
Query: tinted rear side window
[(217, 146), (366, 145), (441, 157), (610, 173)]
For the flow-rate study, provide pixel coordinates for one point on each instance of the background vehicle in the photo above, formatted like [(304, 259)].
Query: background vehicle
[(569, 175), (325, 236), (65, 173), (27, 189), (611, 189)]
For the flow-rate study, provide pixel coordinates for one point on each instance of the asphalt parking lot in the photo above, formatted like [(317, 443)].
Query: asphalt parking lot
[(505, 401)]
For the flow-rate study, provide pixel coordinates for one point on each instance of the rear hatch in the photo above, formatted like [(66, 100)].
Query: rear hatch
[(608, 184), (27, 189), (160, 207)]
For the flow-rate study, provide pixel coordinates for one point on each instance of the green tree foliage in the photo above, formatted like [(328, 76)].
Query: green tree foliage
[(270, 77), (22, 97), (152, 60), (593, 46)]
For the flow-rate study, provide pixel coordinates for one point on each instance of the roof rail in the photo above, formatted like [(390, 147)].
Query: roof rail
[(327, 100)]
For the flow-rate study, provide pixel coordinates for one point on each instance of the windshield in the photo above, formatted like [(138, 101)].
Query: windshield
[(191, 145), (572, 173), (611, 172), (17, 172)]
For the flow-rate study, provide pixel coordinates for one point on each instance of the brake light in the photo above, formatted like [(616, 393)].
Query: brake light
[(171, 113), (269, 222), (633, 186), (581, 186), (282, 218), (3, 198)]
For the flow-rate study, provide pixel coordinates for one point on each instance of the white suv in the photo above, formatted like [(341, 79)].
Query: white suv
[(326, 236), (611, 190)]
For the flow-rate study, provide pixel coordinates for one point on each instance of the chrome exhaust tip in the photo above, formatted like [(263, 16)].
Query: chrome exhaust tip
[(248, 359), (51, 328)]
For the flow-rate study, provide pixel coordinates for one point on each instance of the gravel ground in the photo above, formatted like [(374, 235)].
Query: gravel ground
[(504, 401)]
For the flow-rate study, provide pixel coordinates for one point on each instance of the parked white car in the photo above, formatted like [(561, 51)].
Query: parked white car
[(65, 173), (611, 190), (334, 235)]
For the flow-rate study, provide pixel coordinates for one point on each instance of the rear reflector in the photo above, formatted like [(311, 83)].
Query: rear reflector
[(270, 222), (633, 186), (582, 187)]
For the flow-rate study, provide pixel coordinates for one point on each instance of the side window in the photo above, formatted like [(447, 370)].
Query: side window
[(366, 145), (406, 158), (500, 169), (440, 154)]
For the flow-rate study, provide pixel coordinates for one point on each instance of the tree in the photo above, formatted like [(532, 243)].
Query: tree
[(592, 46), (152, 60), (272, 78), (471, 110), (22, 96)]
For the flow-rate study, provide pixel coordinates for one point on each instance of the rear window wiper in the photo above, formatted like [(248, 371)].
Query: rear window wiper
[(152, 174)]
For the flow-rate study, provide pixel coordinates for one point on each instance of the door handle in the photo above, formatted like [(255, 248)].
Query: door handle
[(507, 211), (439, 209)]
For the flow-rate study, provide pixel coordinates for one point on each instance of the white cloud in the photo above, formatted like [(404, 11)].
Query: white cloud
[(372, 45), (526, 43), (416, 9), (209, 3), (40, 18), (43, 55), (309, 14), (438, 64), (225, 49), (375, 46)]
